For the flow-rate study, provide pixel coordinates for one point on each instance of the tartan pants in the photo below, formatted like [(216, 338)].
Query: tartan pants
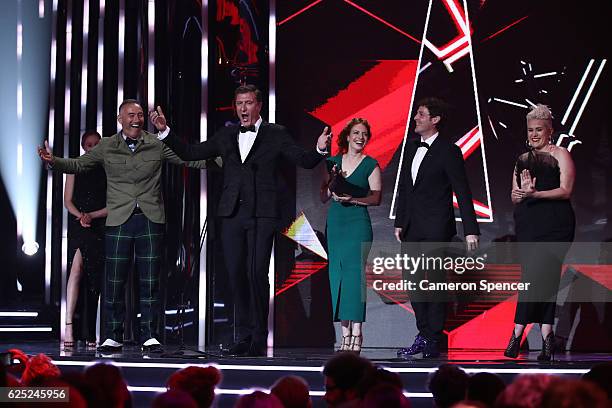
[(145, 237)]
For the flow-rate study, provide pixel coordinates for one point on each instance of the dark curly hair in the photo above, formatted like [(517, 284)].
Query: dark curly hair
[(342, 137)]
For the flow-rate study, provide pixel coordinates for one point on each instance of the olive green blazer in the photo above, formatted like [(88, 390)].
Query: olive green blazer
[(131, 178)]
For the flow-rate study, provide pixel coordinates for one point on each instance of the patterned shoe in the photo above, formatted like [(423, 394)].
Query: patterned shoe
[(417, 347)]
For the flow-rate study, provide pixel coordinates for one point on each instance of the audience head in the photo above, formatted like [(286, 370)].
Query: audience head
[(601, 375), (564, 393), (174, 399), (347, 378), (448, 385), (292, 391), (199, 382), (258, 399), (358, 125), (485, 387), (112, 388), (525, 391), (38, 369), (385, 395)]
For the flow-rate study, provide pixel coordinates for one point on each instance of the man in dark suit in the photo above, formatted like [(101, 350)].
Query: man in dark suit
[(434, 170), (248, 206)]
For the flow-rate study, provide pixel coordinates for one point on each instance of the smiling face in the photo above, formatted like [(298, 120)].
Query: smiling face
[(426, 125), (539, 133), (131, 118), (247, 108), (358, 137)]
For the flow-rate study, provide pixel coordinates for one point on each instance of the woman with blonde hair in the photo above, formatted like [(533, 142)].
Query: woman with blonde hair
[(542, 183)]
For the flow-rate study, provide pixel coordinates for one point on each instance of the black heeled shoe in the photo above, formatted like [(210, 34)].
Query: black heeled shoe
[(514, 346), (548, 348)]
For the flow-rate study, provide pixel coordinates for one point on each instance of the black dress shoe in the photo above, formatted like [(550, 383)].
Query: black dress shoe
[(514, 346), (256, 350), (431, 349), (417, 347), (548, 348), (239, 349), (153, 349), (110, 349)]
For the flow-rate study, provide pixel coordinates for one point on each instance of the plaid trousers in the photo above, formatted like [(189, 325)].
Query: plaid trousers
[(145, 237)]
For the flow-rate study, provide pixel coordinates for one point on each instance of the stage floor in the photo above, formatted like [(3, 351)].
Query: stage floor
[(146, 374)]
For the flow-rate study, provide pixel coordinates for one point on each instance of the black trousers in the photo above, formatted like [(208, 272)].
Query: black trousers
[(429, 307), (247, 246)]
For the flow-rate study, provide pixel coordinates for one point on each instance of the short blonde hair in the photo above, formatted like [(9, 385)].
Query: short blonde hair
[(540, 112)]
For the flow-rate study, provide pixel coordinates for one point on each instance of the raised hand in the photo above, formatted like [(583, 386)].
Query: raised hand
[(45, 153), (527, 183), (324, 139), (158, 119)]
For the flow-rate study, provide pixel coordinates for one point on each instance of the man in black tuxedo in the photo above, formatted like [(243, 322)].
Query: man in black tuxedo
[(434, 170), (248, 206)]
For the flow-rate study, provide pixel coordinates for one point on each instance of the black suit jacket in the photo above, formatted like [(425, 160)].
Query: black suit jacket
[(256, 179), (425, 209)]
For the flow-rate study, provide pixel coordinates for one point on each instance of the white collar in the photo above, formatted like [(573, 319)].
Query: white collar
[(430, 139)]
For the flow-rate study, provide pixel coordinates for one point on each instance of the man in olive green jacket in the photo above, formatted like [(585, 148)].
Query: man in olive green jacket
[(133, 161)]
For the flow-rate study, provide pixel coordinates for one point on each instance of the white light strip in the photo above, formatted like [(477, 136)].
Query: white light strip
[(586, 98), (492, 128), (100, 94), (479, 116), (18, 314), (503, 125), (580, 85), (229, 391), (84, 73), (459, 54), (202, 271), (416, 81), (545, 74), (271, 119), (25, 329), (174, 311), (462, 23), (41, 8), (317, 369), (120, 58), (425, 67), (529, 102), (520, 105), (272, 63), (151, 55)]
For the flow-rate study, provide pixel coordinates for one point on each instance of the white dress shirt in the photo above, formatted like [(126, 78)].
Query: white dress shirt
[(420, 155), (247, 139)]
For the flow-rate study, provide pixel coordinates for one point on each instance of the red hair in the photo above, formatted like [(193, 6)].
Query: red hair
[(199, 382)]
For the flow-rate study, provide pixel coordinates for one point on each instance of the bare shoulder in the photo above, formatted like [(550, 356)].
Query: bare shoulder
[(560, 153)]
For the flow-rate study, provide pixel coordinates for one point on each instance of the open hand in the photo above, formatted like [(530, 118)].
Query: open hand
[(527, 183), (45, 153), (471, 242), (158, 119), (343, 198)]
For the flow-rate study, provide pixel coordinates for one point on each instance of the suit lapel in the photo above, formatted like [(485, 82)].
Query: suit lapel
[(261, 133)]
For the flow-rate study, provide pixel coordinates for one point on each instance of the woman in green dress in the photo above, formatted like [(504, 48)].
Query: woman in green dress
[(349, 227)]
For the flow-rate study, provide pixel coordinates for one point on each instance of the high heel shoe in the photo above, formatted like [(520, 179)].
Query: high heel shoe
[(346, 343), (355, 346), (514, 346), (548, 348), (68, 344)]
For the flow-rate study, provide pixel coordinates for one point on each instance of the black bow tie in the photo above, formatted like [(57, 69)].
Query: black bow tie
[(418, 144), (244, 129), (131, 142)]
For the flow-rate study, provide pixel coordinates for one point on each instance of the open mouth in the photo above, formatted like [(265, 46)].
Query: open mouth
[(135, 126)]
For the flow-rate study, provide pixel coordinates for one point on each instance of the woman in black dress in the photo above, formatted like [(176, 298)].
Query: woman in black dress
[(85, 199), (542, 184)]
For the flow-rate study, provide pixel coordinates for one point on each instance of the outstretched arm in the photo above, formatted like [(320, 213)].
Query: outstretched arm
[(91, 159)]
